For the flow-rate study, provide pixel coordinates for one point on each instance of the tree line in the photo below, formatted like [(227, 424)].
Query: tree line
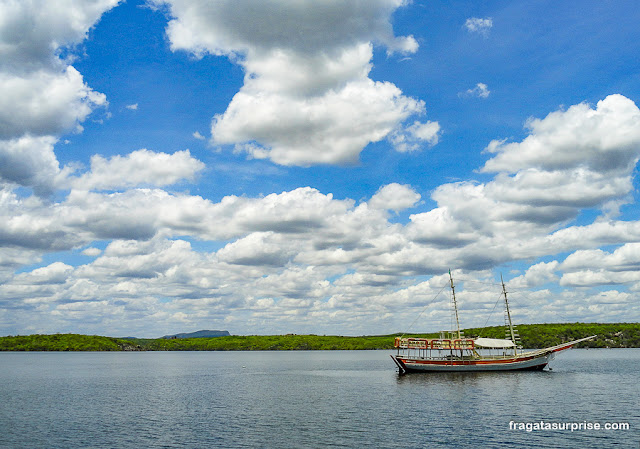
[(614, 335)]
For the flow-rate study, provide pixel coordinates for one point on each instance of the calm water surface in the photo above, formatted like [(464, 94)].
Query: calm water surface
[(306, 399)]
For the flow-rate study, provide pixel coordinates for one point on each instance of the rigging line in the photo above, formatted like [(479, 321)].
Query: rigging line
[(560, 315), (425, 308), (466, 290), (476, 282), (531, 299), (526, 289), (492, 310)]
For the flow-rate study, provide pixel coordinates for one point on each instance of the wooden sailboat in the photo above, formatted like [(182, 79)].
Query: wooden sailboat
[(453, 352)]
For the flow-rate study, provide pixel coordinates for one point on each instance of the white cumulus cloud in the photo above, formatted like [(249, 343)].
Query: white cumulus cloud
[(479, 25), (141, 167), (395, 197), (481, 91), (412, 138), (603, 139), (307, 98), (31, 161), (92, 252), (44, 102), (42, 95), (31, 32)]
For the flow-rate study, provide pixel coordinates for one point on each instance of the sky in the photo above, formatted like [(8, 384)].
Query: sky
[(306, 166)]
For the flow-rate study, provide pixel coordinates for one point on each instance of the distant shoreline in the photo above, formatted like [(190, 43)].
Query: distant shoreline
[(610, 335)]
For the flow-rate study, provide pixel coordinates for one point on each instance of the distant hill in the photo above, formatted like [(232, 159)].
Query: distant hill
[(199, 334)]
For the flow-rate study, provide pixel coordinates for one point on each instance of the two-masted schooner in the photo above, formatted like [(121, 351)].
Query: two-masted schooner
[(453, 352)]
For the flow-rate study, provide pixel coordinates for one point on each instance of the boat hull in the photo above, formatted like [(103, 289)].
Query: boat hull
[(537, 362)]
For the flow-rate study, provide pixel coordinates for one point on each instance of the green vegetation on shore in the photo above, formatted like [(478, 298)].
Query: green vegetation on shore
[(269, 343), (616, 335), (65, 342)]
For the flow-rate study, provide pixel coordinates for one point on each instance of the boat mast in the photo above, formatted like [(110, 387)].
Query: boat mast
[(455, 305), (506, 304)]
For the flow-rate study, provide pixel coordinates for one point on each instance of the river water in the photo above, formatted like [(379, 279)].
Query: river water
[(309, 399)]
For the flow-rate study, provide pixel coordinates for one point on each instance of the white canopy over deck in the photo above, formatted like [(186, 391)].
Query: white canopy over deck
[(495, 343)]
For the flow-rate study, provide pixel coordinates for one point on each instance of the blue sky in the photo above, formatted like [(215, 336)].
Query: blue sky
[(302, 166)]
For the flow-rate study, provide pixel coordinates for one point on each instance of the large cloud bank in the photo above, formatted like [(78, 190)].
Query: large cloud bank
[(303, 258)]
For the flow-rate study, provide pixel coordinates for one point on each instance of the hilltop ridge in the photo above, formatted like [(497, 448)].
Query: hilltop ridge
[(199, 334)]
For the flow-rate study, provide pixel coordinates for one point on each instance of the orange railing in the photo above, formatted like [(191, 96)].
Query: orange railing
[(433, 343)]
